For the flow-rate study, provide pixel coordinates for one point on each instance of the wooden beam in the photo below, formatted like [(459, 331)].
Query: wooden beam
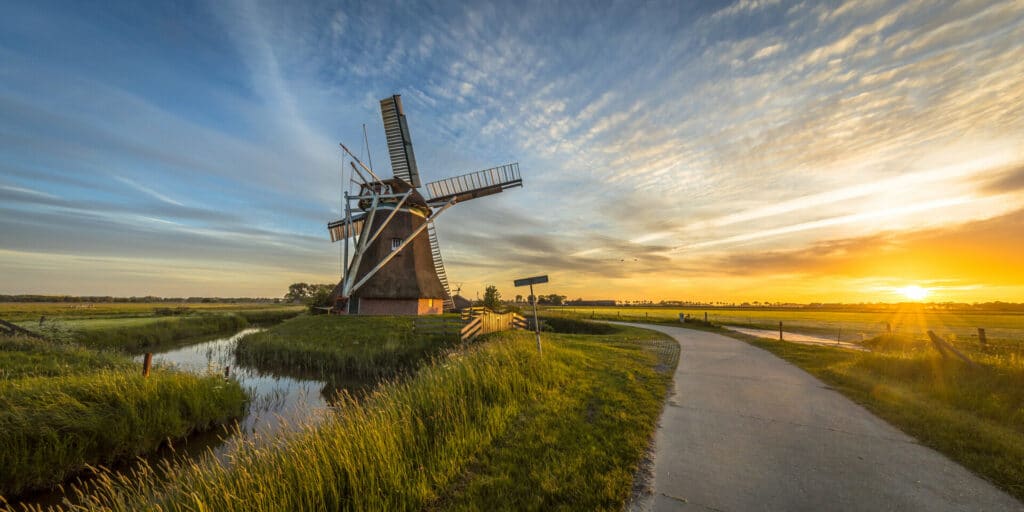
[(943, 345)]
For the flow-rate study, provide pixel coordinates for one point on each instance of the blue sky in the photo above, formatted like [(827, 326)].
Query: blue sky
[(702, 150)]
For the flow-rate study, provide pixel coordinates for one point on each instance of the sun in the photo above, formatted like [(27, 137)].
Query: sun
[(913, 292)]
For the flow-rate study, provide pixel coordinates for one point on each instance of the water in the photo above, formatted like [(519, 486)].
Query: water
[(278, 403), (794, 337)]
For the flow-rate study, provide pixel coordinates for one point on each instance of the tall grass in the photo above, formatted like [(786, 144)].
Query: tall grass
[(420, 441), (338, 348), (63, 407), (27, 357)]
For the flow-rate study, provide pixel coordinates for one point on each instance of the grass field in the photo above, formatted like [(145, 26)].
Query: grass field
[(1004, 331), (31, 311), (340, 348), (494, 426), (63, 406), (142, 327)]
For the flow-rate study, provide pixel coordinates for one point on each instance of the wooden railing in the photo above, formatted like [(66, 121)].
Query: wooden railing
[(472, 323)]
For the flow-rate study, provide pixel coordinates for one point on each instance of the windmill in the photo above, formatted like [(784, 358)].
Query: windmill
[(395, 265)]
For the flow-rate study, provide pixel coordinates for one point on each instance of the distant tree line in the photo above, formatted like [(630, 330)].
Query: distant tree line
[(552, 299)]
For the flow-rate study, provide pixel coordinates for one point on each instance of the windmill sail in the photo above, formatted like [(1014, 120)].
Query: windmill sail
[(403, 161), (341, 230), (475, 184)]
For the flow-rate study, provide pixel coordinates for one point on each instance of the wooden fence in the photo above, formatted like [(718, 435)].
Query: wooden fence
[(472, 323)]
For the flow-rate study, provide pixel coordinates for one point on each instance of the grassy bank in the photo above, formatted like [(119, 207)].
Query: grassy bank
[(138, 335), (334, 348), (494, 426), (63, 407), (974, 415)]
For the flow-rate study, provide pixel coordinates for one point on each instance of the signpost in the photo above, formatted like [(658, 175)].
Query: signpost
[(530, 281)]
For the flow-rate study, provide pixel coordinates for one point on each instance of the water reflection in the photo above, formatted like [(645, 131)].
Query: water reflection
[(278, 403)]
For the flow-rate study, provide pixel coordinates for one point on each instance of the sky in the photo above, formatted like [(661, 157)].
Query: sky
[(715, 151)]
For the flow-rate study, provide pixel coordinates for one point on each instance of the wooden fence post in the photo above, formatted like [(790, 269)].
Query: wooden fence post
[(981, 336), (705, 317), (780, 331), (147, 363)]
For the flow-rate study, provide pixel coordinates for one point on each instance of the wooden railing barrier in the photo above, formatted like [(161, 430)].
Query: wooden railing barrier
[(472, 323)]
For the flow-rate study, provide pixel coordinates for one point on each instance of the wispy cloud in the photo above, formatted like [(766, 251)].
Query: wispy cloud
[(148, 191)]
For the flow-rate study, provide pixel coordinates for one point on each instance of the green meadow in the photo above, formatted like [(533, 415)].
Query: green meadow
[(31, 311), (141, 327)]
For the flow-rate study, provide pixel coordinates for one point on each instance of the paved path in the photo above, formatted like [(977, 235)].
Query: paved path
[(746, 430)]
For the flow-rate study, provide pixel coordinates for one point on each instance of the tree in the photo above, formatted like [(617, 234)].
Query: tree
[(318, 296), (519, 298), (492, 298), (297, 292), (554, 299)]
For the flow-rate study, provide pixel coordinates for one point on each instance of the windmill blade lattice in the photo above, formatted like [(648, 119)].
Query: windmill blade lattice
[(403, 160)]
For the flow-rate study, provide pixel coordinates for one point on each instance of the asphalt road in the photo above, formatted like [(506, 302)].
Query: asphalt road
[(745, 430)]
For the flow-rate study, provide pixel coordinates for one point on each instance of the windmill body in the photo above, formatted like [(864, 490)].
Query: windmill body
[(394, 266)]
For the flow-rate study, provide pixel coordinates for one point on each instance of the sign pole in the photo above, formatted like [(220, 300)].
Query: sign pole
[(530, 281), (536, 324)]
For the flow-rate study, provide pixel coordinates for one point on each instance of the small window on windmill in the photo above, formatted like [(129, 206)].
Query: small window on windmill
[(396, 243)]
